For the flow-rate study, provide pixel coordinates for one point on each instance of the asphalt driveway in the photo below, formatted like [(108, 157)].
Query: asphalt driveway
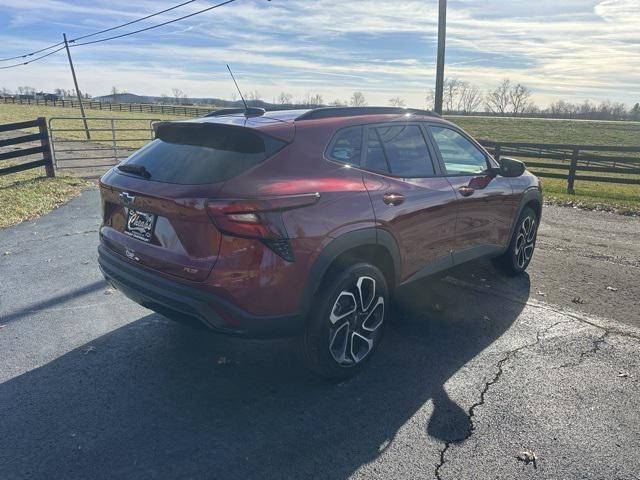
[(474, 372)]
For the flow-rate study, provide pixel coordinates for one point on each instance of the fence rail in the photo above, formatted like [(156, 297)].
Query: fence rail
[(44, 148), (187, 110), (621, 166)]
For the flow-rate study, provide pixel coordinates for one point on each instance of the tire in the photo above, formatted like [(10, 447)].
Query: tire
[(346, 322), (522, 245)]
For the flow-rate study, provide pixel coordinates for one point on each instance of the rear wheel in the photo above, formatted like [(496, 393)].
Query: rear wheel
[(523, 242), (346, 322)]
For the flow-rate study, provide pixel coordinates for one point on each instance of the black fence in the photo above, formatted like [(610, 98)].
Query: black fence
[(615, 164), (191, 111), (44, 149)]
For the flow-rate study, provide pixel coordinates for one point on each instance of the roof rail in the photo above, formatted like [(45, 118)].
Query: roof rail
[(328, 112), (248, 112)]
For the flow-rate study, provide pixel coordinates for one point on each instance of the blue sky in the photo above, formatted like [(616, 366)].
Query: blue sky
[(561, 49)]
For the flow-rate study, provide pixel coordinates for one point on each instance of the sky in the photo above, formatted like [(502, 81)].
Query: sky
[(561, 49)]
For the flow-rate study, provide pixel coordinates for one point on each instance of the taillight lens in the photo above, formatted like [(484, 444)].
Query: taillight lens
[(259, 218)]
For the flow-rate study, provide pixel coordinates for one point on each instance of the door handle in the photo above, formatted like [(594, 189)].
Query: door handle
[(466, 191), (393, 198)]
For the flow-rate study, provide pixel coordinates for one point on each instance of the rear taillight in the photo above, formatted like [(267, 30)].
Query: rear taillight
[(259, 218)]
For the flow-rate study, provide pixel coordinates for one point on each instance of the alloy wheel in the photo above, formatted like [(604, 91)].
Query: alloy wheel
[(355, 322), (525, 241)]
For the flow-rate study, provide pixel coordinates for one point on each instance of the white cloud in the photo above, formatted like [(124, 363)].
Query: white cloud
[(572, 49)]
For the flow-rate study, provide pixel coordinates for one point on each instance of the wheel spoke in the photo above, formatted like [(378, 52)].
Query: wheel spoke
[(375, 317), (344, 305), (528, 251), (339, 342), (367, 290), (532, 232), (360, 346)]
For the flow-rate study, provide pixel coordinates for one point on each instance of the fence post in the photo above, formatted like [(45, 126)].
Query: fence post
[(572, 170), (496, 153), (113, 139), (44, 141)]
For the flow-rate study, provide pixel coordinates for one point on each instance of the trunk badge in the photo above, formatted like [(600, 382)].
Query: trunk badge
[(127, 199), (131, 254)]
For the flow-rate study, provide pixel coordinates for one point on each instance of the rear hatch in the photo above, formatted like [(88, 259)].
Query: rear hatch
[(154, 203)]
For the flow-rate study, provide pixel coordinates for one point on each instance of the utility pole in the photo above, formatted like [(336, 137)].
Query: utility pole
[(442, 27), (75, 81)]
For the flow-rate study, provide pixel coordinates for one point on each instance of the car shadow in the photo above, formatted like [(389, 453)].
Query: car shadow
[(154, 399)]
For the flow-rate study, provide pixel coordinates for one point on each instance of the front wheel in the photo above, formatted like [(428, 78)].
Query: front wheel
[(523, 242), (346, 322)]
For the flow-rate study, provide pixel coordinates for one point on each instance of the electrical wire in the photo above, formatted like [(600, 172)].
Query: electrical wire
[(31, 61), (133, 21), (155, 26), (26, 55), (31, 53)]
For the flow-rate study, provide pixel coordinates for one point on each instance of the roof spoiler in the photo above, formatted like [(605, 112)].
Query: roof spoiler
[(248, 112)]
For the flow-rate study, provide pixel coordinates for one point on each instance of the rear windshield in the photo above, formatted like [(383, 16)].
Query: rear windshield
[(195, 154)]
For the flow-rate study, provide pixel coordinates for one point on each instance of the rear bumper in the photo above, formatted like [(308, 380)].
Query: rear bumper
[(186, 303)]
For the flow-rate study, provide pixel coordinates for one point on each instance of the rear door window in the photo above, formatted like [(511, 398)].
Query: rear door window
[(400, 150), (192, 154)]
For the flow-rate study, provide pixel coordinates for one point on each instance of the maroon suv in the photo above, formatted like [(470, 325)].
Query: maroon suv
[(304, 222)]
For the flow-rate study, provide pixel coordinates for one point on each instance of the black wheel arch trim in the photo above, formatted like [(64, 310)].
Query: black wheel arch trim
[(370, 236)]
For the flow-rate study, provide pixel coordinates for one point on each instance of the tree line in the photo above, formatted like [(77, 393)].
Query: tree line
[(514, 99), (459, 97)]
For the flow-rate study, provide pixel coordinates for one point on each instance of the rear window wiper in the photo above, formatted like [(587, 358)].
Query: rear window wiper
[(139, 170)]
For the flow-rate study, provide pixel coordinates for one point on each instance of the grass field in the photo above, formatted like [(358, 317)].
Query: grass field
[(587, 194), (136, 129), (29, 194), (621, 198)]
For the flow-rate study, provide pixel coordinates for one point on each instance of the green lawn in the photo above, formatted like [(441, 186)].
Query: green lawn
[(619, 197), (29, 194), (133, 129), (542, 130)]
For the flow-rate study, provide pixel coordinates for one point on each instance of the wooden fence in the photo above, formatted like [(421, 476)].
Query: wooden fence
[(44, 148), (617, 164), (191, 111)]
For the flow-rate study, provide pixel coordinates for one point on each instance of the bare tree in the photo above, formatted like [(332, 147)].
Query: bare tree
[(450, 93), (254, 97), (316, 100), (5, 92), (115, 97), (285, 98), (339, 103), (470, 98), (357, 100), (634, 113), (519, 99), (178, 95), (430, 99), (397, 102), (497, 101)]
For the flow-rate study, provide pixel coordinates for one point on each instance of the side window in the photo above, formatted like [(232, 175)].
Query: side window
[(459, 155), (400, 150), (346, 146), (376, 159)]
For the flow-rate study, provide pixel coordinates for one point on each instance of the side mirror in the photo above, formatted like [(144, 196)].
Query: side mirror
[(510, 167)]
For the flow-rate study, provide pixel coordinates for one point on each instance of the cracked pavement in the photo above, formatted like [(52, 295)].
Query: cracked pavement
[(473, 371)]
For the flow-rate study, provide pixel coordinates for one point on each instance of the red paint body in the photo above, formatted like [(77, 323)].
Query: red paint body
[(431, 225)]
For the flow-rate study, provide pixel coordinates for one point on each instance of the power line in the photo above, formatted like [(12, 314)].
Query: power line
[(155, 26), (34, 60), (26, 55), (31, 53), (133, 21)]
